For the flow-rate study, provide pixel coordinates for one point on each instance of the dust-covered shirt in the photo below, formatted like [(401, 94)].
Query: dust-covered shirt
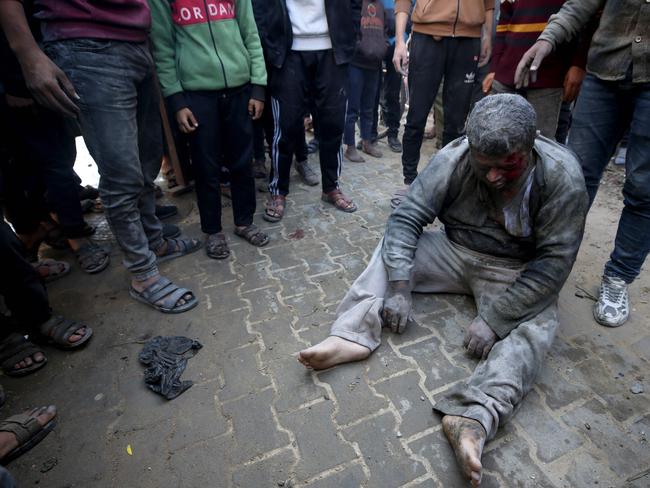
[(542, 225)]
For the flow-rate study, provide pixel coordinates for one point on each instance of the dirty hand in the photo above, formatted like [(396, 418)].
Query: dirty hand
[(487, 82), (572, 83), (479, 338), (530, 62), (255, 108), (401, 58), (48, 84), (186, 121), (486, 50), (397, 306)]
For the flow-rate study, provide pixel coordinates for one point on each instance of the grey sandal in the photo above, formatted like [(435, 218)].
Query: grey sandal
[(57, 330), (163, 289), (216, 246), (177, 248), (92, 258), (28, 431)]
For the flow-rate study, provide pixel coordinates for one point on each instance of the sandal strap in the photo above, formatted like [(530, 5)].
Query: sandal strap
[(176, 245), (216, 243), (22, 425), (59, 329), (90, 255), (164, 290), (14, 349)]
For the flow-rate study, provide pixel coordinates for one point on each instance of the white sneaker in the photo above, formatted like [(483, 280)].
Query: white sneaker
[(613, 306)]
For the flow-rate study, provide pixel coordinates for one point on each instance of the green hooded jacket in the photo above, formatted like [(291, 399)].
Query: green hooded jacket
[(194, 53)]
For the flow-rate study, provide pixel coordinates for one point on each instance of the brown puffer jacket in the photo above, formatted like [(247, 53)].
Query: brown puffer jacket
[(447, 18)]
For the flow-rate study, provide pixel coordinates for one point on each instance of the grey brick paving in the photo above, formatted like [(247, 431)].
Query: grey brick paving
[(255, 418)]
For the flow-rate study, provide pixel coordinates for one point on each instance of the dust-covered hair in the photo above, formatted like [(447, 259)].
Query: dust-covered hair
[(502, 124)]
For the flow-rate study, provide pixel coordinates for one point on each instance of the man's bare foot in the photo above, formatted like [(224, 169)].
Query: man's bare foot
[(332, 351), (8, 440), (467, 438)]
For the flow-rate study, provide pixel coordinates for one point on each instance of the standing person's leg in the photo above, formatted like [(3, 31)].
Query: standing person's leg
[(237, 127), (205, 147), (461, 65), (391, 108), (354, 88), (426, 69), (370, 89), (632, 242), (329, 98), (547, 103), (375, 108), (259, 153), (438, 268), (601, 115), (288, 100), (106, 75), (564, 122), (150, 145)]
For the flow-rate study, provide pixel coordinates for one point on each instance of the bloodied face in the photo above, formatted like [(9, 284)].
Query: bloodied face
[(500, 173)]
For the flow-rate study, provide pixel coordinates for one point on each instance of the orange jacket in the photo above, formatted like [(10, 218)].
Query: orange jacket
[(447, 18)]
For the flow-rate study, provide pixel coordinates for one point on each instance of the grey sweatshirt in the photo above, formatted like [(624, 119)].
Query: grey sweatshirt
[(545, 230)]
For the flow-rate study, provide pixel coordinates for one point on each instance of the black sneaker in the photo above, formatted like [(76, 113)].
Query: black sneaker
[(165, 211), (308, 175), (394, 144)]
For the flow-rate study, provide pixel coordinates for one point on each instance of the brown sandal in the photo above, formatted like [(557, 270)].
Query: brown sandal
[(340, 201), (274, 208)]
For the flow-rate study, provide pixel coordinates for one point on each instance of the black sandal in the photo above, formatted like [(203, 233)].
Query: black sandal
[(216, 246), (14, 349), (92, 258), (177, 248), (253, 235), (57, 330)]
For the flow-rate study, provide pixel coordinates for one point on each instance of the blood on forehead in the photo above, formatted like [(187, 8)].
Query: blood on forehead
[(516, 166)]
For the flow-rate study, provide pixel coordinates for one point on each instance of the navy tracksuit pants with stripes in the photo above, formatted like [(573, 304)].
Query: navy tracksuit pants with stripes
[(307, 75)]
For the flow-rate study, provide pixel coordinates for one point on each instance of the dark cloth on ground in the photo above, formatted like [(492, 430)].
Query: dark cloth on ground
[(166, 359)]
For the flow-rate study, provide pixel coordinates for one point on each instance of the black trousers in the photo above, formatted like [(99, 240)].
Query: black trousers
[(307, 74), (388, 97), (20, 285), (224, 137), (456, 60), (42, 147)]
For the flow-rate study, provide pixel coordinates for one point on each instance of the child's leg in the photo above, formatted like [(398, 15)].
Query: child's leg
[(369, 87), (205, 148), (354, 89), (237, 129)]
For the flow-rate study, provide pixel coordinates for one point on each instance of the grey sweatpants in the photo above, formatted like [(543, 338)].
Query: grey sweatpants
[(497, 386)]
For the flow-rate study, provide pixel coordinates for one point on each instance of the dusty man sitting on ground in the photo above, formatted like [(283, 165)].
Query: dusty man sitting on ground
[(513, 207)]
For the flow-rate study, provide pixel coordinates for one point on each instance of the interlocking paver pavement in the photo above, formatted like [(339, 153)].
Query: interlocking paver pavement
[(256, 419)]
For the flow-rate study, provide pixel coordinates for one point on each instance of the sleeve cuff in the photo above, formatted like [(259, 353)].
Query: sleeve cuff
[(398, 275), (258, 92), (500, 327), (176, 102), (403, 6), (548, 37)]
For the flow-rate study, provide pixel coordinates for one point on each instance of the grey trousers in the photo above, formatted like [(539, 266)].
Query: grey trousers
[(547, 103), (497, 386)]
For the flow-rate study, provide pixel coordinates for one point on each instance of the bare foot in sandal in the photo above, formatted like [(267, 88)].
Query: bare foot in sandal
[(19, 357), (216, 246), (340, 201), (163, 295), (252, 234), (65, 333), (19, 433)]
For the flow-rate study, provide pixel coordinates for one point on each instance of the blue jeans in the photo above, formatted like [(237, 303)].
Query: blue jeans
[(603, 112), (120, 123), (362, 92)]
